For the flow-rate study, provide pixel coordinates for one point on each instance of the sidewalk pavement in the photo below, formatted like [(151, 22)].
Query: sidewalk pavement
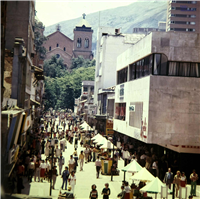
[(87, 177)]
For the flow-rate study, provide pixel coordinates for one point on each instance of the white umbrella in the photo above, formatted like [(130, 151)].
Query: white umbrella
[(154, 187), (107, 145), (86, 127), (143, 175), (132, 167), (96, 136), (102, 141), (99, 139)]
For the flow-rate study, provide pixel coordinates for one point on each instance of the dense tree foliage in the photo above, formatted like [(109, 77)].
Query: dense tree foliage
[(62, 86), (39, 38)]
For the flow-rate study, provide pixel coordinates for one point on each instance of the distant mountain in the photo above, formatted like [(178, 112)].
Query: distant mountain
[(138, 14)]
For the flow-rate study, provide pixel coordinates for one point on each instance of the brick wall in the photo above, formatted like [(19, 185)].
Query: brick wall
[(63, 42), (85, 52)]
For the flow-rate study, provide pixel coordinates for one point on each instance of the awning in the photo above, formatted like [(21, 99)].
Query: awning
[(37, 69), (35, 102), (83, 101)]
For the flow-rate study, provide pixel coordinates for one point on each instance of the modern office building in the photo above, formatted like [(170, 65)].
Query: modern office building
[(157, 93), (183, 16)]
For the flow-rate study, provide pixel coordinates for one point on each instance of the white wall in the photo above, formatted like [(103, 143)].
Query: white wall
[(134, 91)]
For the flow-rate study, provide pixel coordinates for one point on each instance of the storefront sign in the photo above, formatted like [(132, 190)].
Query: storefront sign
[(132, 108), (109, 127), (121, 92)]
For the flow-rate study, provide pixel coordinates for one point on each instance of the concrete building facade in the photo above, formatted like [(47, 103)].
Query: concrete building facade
[(157, 99), (183, 16), (110, 44)]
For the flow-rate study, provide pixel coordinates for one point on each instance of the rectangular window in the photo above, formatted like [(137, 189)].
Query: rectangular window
[(132, 71), (135, 115), (85, 89), (120, 111), (122, 76), (184, 69)]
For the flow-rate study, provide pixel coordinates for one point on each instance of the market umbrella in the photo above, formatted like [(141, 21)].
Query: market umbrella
[(96, 136), (143, 175), (132, 167), (154, 187), (99, 140), (108, 145), (86, 127)]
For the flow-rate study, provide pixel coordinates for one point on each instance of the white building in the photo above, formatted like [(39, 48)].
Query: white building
[(110, 44), (157, 96)]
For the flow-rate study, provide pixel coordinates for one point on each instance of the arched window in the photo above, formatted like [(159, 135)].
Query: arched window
[(49, 48), (86, 43), (57, 45), (57, 56), (64, 49), (79, 43)]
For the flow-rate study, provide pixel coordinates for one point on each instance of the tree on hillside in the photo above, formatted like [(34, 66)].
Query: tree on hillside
[(81, 62), (39, 38), (54, 67), (61, 86)]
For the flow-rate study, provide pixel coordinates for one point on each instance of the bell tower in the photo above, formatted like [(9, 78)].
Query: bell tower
[(83, 39)]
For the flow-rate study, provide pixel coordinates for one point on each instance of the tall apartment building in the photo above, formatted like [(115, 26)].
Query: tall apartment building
[(183, 16)]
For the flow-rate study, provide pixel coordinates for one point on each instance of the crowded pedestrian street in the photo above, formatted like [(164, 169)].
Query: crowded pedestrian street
[(39, 184)]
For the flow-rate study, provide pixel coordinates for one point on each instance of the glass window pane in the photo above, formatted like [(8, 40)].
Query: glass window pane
[(156, 64), (173, 68), (163, 70)]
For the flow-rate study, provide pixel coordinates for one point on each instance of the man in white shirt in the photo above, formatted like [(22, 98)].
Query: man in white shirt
[(126, 156), (98, 166), (71, 164), (58, 152)]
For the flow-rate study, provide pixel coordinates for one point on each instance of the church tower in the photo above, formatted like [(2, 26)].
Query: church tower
[(83, 39)]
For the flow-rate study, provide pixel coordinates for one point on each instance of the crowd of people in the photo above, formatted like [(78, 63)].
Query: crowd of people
[(49, 140)]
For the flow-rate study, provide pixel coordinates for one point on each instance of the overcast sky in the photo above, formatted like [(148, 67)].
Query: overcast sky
[(50, 11)]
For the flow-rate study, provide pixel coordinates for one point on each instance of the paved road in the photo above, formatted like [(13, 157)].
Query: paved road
[(86, 178)]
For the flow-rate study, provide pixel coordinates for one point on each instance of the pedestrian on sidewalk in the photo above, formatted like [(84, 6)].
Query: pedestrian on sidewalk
[(57, 152), (76, 160), (98, 166), (168, 179), (81, 159), (193, 178), (37, 170), (121, 195), (31, 168), (71, 164), (65, 176), (54, 176), (86, 151), (177, 181), (42, 170), (61, 162), (183, 180), (93, 193), (20, 185), (42, 144), (72, 181), (106, 191), (127, 189)]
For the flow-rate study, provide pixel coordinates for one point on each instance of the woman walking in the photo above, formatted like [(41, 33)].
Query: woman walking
[(72, 180)]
